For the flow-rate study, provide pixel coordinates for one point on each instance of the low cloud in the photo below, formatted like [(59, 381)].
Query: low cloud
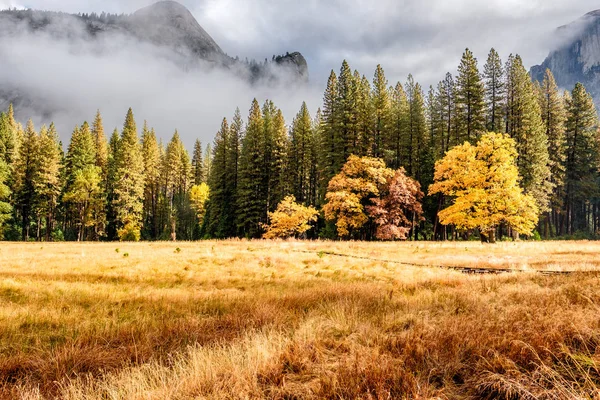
[(70, 80)]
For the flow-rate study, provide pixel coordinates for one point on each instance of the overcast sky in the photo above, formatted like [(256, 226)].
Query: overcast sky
[(422, 37)]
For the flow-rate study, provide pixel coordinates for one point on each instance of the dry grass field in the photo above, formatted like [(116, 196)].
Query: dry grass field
[(299, 320)]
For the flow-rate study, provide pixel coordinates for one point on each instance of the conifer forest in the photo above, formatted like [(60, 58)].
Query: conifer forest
[(374, 162)]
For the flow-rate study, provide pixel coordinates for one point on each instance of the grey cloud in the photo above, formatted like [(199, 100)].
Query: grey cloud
[(422, 37), (364, 31), (74, 78)]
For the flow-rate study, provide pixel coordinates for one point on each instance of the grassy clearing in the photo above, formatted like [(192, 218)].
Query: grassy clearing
[(285, 320)]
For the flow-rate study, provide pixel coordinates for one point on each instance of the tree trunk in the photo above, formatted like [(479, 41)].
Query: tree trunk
[(488, 236)]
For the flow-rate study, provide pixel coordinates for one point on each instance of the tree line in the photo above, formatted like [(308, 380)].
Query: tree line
[(129, 187)]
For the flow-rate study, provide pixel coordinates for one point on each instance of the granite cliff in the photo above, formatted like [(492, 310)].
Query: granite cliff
[(576, 58)]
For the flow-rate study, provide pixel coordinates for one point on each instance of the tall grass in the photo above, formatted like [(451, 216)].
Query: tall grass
[(283, 320)]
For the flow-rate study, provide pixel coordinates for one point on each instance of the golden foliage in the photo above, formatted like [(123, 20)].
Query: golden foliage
[(290, 219), (366, 190), (484, 180), (360, 178), (199, 195)]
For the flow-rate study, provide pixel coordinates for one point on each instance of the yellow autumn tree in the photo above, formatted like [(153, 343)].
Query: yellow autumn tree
[(484, 181), (199, 195), (290, 219)]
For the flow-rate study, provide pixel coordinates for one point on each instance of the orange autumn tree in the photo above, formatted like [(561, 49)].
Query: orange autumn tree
[(484, 181), (399, 209), (367, 191), (290, 219)]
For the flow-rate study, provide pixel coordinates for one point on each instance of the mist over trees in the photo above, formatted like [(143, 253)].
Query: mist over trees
[(134, 186)]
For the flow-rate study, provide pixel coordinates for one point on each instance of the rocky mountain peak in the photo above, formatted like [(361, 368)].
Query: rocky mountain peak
[(577, 55), (168, 22)]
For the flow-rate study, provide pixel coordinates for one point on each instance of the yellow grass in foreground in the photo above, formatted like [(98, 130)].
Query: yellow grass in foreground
[(289, 320)]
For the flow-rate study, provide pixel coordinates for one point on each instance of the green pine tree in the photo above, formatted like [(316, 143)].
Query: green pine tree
[(49, 185), (363, 116), (129, 182), (347, 140), (493, 74), (525, 126), (176, 177), (328, 135), (5, 194), (582, 162), (27, 176), (470, 104), (81, 176), (236, 133), (382, 113), (152, 179), (251, 197), (300, 155), (198, 163), (553, 118), (417, 130), (218, 182), (207, 162), (111, 217), (397, 137)]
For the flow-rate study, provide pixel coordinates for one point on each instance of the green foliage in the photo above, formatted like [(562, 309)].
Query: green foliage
[(301, 160), (26, 178), (128, 190), (151, 153), (198, 163), (470, 105), (524, 125), (583, 160), (494, 91)]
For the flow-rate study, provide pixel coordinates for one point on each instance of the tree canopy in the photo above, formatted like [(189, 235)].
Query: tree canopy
[(483, 180)]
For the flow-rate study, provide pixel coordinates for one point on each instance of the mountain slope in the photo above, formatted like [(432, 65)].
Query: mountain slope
[(577, 58), (169, 23), (166, 24)]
